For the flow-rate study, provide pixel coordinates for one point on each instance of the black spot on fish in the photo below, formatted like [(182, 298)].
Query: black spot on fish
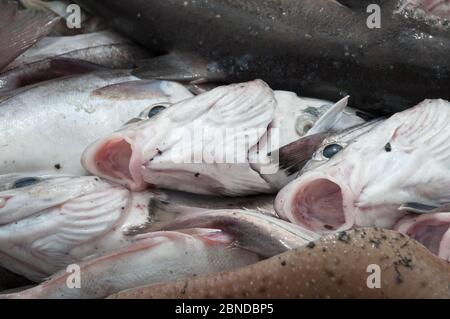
[(311, 245), (58, 166), (329, 227), (388, 147), (343, 236), (376, 242), (197, 174), (159, 151), (406, 262), (398, 275), (283, 263)]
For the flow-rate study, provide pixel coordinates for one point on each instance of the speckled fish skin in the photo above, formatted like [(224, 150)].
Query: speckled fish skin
[(332, 267), (46, 127), (157, 257), (319, 48), (164, 151), (404, 159), (103, 49)]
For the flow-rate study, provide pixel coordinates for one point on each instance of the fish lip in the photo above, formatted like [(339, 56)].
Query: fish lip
[(300, 202), (411, 224), (116, 159)]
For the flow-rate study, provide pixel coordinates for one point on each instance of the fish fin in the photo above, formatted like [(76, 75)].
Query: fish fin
[(419, 208), (326, 121), (177, 66), (20, 29), (160, 214), (78, 221), (253, 231), (138, 89), (294, 156)]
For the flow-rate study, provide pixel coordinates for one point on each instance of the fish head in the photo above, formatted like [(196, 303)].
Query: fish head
[(25, 195), (399, 160), (127, 155)]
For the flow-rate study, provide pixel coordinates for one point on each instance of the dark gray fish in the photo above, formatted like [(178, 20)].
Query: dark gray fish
[(20, 29), (54, 57), (321, 48), (9, 280)]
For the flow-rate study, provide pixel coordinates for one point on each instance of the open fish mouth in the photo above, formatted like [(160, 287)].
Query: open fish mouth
[(432, 231), (318, 202), (113, 159)]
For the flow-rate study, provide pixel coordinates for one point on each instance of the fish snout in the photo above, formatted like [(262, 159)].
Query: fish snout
[(318, 202), (115, 158), (22, 200)]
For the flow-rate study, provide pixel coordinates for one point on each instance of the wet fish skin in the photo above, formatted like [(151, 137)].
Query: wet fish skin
[(335, 54), (50, 221), (230, 120), (104, 49), (255, 231), (375, 178), (333, 267), (81, 109), (20, 29), (157, 257)]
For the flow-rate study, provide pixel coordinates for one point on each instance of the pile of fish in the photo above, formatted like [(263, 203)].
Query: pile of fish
[(115, 174)]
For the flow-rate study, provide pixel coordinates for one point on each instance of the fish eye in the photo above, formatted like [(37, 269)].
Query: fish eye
[(155, 110), (26, 181), (331, 150)]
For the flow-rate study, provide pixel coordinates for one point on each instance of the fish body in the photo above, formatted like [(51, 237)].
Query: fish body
[(21, 29), (255, 231), (397, 166), (321, 48), (48, 222), (56, 56), (216, 143), (156, 257), (336, 266), (46, 127)]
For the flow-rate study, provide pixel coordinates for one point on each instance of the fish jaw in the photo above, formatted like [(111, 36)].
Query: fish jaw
[(160, 151), (116, 159), (318, 202), (404, 159), (50, 191), (431, 230)]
